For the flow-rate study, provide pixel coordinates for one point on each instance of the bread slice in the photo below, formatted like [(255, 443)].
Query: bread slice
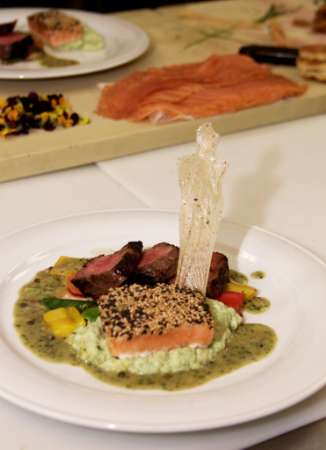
[(312, 62)]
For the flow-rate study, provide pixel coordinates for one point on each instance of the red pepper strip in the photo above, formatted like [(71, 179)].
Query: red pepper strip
[(72, 288), (234, 300)]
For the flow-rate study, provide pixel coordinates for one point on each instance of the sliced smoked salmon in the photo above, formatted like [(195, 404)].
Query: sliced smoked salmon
[(138, 319), (217, 85)]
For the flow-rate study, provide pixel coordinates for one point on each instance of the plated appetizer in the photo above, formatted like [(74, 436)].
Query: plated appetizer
[(51, 34), (140, 335), (154, 317), (61, 31)]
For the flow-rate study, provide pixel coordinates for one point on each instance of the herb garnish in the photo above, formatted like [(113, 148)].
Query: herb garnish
[(215, 33), (88, 308), (274, 11)]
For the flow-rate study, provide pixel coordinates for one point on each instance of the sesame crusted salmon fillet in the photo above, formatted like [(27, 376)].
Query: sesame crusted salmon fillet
[(54, 28), (138, 319), (218, 85)]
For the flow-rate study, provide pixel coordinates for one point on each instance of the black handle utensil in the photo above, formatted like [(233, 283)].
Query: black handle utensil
[(283, 56)]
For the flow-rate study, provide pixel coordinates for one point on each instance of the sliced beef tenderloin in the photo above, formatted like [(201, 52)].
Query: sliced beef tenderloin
[(106, 271), (158, 264), (218, 275), (7, 27), (15, 46)]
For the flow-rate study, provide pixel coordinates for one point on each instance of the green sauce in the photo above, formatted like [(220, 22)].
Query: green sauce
[(258, 274), (257, 305), (51, 61), (238, 277), (248, 344)]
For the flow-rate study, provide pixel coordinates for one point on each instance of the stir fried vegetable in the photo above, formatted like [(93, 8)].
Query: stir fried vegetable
[(88, 307), (63, 321)]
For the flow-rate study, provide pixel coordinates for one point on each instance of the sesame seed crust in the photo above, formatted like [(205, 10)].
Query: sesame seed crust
[(135, 310)]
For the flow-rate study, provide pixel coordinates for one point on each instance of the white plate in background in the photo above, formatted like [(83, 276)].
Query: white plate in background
[(124, 42)]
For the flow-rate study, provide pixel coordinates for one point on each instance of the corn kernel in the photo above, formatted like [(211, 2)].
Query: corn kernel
[(61, 120), (84, 121), (13, 114), (63, 102), (67, 123)]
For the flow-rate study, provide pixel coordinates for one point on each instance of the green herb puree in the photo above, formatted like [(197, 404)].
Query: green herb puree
[(51, 61), (238, 277), (258, 274), (91, 41), (249, 343), (257, 305)]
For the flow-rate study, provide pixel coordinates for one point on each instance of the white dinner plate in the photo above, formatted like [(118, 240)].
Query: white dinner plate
[(123, 43), (295, 283)]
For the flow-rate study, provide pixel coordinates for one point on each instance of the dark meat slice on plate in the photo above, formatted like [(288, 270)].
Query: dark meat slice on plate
[(7, 27), (15, 46), (218, 275), (106, 271), (158, 264)]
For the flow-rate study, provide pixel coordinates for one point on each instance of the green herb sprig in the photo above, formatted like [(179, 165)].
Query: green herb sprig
[(275, 11), (216, 33)]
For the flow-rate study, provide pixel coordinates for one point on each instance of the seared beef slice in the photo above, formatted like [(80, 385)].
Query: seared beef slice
[(15, 46), (158, 264), (106, 271), (218, 275)]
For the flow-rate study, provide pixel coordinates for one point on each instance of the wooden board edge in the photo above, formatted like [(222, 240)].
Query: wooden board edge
[(176, 133)]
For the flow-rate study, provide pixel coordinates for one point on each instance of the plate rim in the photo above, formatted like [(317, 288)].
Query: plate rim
[(64, 72), (97, 423)]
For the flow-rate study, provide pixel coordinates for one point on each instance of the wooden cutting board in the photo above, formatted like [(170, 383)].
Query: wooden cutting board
[(178, 34)]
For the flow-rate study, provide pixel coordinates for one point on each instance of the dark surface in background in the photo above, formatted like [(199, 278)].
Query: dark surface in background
[(91, 5)]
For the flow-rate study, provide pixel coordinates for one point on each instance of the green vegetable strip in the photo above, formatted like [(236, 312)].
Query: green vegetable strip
[(91, 314), (54, 302)]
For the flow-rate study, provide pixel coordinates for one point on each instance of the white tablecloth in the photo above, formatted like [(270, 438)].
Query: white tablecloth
[(276, 179)]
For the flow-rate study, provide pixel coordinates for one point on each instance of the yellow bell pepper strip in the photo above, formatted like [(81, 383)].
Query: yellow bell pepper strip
[(63, 321), (67, 265), (248, 291), (88, 308)]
